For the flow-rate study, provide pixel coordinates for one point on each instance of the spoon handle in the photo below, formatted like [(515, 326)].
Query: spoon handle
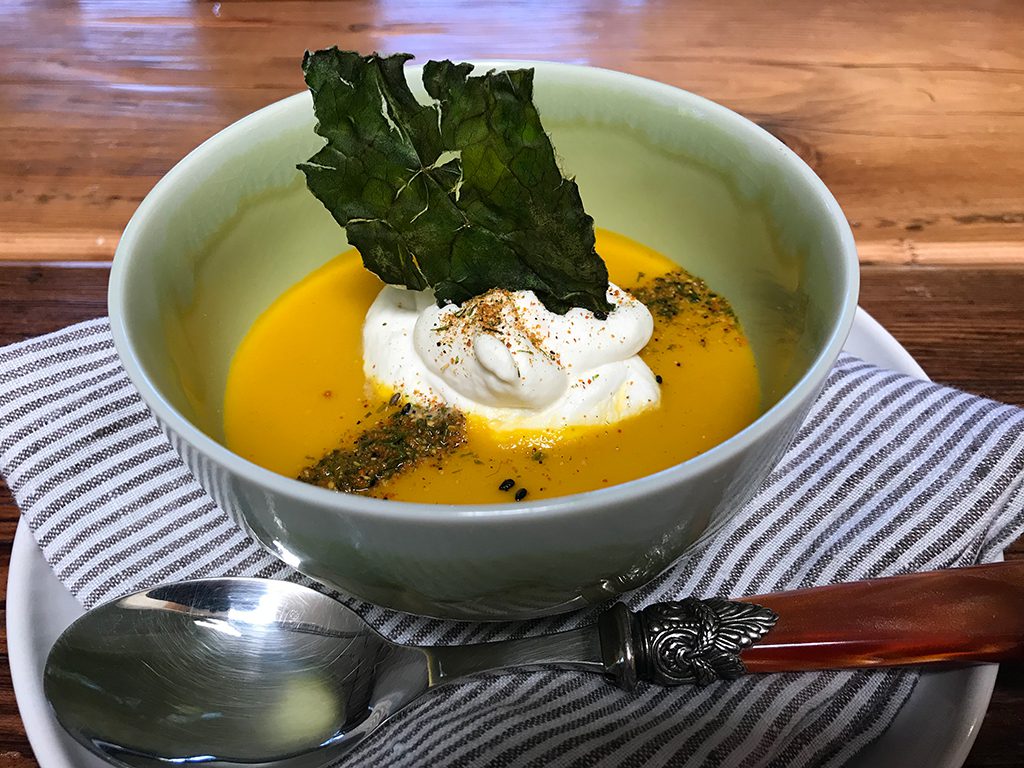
[(973, 614)]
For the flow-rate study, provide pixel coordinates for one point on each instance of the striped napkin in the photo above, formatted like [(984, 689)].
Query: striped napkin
[(888, 475)]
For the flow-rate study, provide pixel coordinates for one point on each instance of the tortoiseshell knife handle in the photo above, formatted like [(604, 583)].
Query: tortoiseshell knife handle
[(966, 615), (961, 615)]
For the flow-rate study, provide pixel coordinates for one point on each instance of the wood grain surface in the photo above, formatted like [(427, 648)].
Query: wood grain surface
[(912, 113)]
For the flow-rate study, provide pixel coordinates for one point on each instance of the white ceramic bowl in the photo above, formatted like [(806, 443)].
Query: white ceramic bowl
[(232, 226)]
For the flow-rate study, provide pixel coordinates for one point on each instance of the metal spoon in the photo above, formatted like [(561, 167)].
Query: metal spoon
[(229, 672)]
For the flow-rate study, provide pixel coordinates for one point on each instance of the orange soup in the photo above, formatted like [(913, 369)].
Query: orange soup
[(296, 391)]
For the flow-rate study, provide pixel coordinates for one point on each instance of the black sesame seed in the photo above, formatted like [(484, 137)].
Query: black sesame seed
[(658, 379), (506, 485), (406, 409), (520, 494)]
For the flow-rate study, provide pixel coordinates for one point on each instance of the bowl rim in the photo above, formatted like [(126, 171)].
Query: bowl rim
[(423, 512)]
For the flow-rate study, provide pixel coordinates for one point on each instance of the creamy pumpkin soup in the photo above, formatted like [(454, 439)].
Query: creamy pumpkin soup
[(512, 351), (305, 398)]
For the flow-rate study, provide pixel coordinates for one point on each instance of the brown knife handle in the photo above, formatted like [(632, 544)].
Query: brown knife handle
[(961, 615), (973, 614)]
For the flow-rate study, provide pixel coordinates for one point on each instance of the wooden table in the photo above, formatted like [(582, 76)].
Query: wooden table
[(912, 113)]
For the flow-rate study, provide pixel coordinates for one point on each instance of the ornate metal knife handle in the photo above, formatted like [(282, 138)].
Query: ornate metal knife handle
[(691, 641)]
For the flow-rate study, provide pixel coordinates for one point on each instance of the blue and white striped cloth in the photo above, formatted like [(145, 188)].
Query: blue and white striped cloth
[(888, 475)]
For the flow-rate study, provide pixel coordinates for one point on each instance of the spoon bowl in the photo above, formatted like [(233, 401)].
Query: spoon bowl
[(227, 672)]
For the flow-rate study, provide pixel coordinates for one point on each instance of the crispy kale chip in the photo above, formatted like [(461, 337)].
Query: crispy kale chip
[(462, 195)]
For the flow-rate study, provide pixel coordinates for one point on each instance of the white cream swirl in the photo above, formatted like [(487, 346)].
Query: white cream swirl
[(504, 357)]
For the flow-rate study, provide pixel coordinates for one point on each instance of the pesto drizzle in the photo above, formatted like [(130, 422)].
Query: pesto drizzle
[(404, 438), (667, 295)]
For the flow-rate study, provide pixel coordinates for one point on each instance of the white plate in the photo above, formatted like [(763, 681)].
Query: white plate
[(936, 728)]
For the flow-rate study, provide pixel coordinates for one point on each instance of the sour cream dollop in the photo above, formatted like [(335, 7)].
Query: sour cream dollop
[(506, 358)]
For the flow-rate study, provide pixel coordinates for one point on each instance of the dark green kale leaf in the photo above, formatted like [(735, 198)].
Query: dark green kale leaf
[(463, 195)]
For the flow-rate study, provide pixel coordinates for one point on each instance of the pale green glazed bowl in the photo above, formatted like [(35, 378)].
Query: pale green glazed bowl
[(231, 227)]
